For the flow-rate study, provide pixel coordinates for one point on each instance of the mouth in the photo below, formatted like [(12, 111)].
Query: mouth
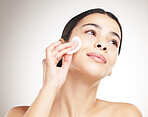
[(97, 57)]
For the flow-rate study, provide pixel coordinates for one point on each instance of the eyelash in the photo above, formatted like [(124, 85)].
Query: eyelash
[(94, 33), (114, 42)]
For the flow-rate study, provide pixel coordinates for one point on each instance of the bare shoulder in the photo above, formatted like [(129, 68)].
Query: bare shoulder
[(127, 109), (17, 111), (119, 109)]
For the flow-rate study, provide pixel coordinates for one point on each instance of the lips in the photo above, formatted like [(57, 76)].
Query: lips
[(97, 57)]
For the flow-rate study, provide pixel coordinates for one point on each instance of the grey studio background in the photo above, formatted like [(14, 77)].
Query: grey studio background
[(27, 27)]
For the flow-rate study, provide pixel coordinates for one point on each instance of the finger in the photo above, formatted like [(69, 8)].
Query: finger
[(65, 51), (49, 55), (43, 63), (61, 47), (66, 62), (51, 47)]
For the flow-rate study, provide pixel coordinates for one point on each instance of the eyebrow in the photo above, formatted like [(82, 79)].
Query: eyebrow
[(95, 25), (115, 34), (100, 27)]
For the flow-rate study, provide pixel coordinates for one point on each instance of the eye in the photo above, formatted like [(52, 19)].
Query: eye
[(114, 42), (91, 32)]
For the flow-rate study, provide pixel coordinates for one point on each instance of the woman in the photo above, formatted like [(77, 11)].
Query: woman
[(71, 80)]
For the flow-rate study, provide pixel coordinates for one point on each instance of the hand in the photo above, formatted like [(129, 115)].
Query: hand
[(53, 75)]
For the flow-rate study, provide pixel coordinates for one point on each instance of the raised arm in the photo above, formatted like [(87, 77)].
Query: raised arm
[(53, 78)]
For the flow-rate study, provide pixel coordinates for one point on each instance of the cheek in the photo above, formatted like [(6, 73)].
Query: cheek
[(112, 55), (87, 43)]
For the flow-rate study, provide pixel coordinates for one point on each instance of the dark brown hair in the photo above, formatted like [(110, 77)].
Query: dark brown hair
[(74, 21)]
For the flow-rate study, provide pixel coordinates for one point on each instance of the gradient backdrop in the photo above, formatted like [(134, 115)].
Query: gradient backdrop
[(27, 27)]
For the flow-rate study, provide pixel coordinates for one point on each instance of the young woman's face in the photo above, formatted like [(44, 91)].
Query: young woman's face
[(96, 29)]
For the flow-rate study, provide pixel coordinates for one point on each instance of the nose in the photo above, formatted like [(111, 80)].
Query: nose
[(102, 47)]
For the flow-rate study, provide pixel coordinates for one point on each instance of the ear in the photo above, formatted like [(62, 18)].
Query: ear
[(110, 73)]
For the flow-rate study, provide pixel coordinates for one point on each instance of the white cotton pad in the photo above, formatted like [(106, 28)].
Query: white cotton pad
[(75, 38)]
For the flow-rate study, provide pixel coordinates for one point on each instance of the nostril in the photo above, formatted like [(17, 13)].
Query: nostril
[(98, 45), (104, 48)]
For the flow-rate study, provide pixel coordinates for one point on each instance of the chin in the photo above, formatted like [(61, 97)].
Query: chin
[(95, 71), (90, 70)]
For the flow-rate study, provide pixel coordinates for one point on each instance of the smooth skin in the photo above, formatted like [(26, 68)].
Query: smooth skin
[(70, 90)]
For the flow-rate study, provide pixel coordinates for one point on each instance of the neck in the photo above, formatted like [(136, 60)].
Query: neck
[(77, 96)]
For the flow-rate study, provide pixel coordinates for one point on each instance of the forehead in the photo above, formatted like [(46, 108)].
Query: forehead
[(103, 20)]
